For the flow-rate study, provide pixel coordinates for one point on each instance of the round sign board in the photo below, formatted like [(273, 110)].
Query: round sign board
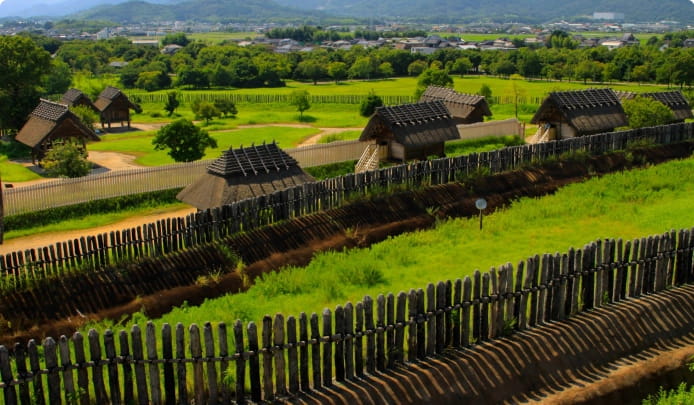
[(481, 204)]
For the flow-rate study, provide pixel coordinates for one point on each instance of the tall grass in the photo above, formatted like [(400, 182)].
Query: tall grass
[(622, 205)]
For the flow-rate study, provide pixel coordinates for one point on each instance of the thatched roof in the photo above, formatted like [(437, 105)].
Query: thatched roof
[(244, 173), (76, 97), (674, 100), (589, 111), (47, 117), (108, 96), (412, 124), (460, 105)]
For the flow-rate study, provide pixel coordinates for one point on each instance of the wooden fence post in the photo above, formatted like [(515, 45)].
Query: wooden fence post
[(303, 353), (268, 390), (292, 355), (278, 355), (113, 383), (339, 344), (196, 356), (167, 355), (380, 333), (181, 371), (213, 390), (349, 340), (9, 393), (254, 362), (327, 348), (35, 367), (151, 344)]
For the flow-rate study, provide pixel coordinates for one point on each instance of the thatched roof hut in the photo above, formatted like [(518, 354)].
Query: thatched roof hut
[(114, 106), (674, 100), (50, 122), (75, 97), (244, 173), (412, 131), (464, 108), (581, 112)]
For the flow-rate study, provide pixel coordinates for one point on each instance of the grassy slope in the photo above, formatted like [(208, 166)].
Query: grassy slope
[(623, 205)]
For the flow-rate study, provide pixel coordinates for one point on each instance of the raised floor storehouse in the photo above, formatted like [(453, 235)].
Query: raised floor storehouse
[(567, 114), (464, 108), (50, 122), (75, 98), (114, 106), (674, 100), (411, 131), (244, 173)]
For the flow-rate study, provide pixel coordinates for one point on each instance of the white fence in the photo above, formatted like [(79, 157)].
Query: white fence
[(62, 192), (491, 128)]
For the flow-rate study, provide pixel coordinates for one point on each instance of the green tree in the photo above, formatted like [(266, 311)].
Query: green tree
[(641, 73), (310, 69), (646, 112), (300, 100), (369, 104), (152, 81), (88, 116), (172, 102), (486, 92), (177, 38), (22, 66), (461, 66), (385, 69), (206, 111), (58, 79), (416, 67), (432, 77), (363, 68), (195, 78), (337, 71), (226, 107), (185, 141), (66, 159)]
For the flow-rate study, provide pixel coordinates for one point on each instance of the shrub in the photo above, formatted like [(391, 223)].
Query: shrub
[(66, 159)]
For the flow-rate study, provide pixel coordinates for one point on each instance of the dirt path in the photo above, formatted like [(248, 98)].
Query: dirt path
[(46, 239)]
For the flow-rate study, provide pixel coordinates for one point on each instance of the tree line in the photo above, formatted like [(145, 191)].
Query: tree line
[(227, 65)]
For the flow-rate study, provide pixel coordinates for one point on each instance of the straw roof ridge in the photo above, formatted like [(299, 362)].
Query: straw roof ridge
[(49, 110), (265, 158), (585, 99), (414, 114), (110, 93), (449, 95), (72, 95)]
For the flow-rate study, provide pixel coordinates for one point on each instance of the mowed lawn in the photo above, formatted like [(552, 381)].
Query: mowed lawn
[(621, 205), (139, 144)]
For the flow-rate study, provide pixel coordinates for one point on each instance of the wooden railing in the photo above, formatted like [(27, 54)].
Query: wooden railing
[(18, 269), (286, 356), (368, 160)]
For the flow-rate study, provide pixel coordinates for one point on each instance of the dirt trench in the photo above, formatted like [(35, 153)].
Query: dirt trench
[(359, 224)]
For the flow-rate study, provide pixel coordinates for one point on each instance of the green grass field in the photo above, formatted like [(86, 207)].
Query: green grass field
[(139, 144), (622, 205)]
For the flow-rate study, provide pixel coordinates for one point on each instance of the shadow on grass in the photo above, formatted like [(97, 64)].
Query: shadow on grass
[(307, 118)]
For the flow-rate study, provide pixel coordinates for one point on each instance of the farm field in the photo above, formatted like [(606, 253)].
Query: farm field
[(631, 204)]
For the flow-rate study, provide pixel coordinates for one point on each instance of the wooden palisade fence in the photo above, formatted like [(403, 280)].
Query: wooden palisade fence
[(118, 183), (283, 357), (313, 98), (17, 269)]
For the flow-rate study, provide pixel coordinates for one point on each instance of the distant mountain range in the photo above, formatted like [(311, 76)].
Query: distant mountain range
[(455, 11), (442, 11)]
